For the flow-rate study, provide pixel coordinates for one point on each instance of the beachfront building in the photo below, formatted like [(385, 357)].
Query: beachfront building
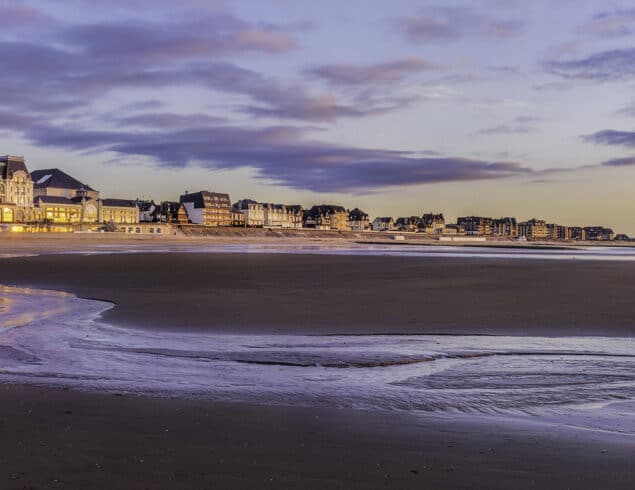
[(598, 233), (119, 211), (432, 224), (149, 211), (238, 218), (506, 227), (557, 232), (326, 217), (407, 223), (452, 229), (576, 233), (358, 220), (61, 198), (207, 208), (278, 216), (297, 215), (383, 223), (475, 225), (253, 212), (64, 199), (173, 213), (533, 229), (16, 191)]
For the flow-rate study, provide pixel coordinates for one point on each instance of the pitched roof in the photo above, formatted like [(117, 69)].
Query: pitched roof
[(57, 200), (57, 179), (323, 209), (119, 203), (384, 219), (11, 164), (357, 214), (199, 198)]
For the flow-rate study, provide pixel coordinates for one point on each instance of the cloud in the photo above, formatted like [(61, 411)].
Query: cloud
[(279, 154), (629, 110), (168, 120), (75, 65), (519, 125), (619, 162), (609, 24), (617, 64), (612, 138), (146, 41), (380, 73), (447, 24)]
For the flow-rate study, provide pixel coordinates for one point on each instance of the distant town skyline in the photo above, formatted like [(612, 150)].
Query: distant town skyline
[(485, 108)]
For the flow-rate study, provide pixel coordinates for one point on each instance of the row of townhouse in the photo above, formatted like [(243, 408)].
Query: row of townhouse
[(215, 209), (504, 227), (429, 223), (54, 197)]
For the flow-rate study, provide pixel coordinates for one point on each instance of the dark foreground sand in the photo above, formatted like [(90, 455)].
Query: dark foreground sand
[(345, 294), (62, 439), (65, 439)]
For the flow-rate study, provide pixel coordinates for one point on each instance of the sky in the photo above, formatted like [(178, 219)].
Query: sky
[(483, 107)]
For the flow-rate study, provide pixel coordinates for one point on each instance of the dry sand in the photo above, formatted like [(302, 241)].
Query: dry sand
[(64, 439)]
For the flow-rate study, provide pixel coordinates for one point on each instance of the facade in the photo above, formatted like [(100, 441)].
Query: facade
[(557, 232), (173, 213), (358, 220), (278, 216), (149, 211), (452, 229), (326, 217), (16, 191), (60, 198), (599, 233), (253, 212), (119, 211), (534, 229), (207, 208), (297, 214), (506, 227), (432, 223), (475, 225), (383, 223), (407, 223), (576, 233), (238, 218)]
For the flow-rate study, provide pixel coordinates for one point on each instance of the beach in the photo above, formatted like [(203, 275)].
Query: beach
[(61, 436), (315, 294)]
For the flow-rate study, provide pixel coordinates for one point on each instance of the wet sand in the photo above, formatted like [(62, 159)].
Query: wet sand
[(65, 439), (345, 294)]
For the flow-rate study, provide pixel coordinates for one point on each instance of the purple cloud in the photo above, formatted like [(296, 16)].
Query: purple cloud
[(519, 125), (615, 23), (446, 24), (619, 162), (380, 73), (629, 110), (169, 120), (617, 64), (280, 154), (146, 41), (89, 61), (612, 138)]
